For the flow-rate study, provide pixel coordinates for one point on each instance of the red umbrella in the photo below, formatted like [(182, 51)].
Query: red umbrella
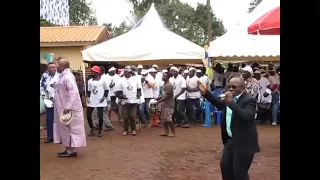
[(268, 24)]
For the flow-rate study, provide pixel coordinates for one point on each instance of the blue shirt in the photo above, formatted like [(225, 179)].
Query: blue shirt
[(229, 115)]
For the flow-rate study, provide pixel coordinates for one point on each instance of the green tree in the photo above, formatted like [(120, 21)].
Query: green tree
[(253, 5), (117, 30), (181, 18), (81, 14), (45, 23)]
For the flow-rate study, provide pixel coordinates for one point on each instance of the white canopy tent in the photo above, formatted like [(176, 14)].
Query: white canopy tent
[(149, 42), (236, 44)]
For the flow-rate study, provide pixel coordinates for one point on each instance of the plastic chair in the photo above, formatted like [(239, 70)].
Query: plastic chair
[(213, 109), (207, 111)]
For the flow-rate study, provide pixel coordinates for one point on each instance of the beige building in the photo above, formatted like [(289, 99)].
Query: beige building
[(69, 41)]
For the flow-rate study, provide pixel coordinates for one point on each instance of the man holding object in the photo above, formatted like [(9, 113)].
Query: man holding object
[(238, 130)]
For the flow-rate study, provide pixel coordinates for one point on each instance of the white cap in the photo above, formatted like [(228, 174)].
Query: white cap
[(112, 69), (192, 69), (152, 70), (199, 71), (249, 69), (154, 66), (140, 66), (186, 71), (164, 71), (257, 72), (174, 68), (127, 68)]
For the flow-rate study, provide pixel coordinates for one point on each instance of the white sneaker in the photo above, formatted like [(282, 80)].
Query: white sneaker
[(274, 124)]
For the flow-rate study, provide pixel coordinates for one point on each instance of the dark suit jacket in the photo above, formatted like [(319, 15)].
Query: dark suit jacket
[(275, 97), (243, 127)]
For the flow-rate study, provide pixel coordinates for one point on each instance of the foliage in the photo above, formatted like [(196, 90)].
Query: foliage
[(45, 23), (253, 5), (80, 13), (117, 30), (179, 17)]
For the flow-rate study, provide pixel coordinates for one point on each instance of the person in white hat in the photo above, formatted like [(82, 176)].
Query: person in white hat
[(252, 85), (263, 82), (129, 91), (185, 74), (48, 83), (193, 96), (67, 101), (98, 90), (264, 104), (112, 77), (179, 85), (158, 77), (148, 84), (140, 67)]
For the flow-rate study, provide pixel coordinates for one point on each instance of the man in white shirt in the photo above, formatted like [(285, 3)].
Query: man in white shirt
[(273, 82), (179, 85), (112, 77), (263, 82), (48, 84), (158, 76), (264, 104), (129, 91), (148, 83), (97, 98), (185, 74), (273, 73), (193, 96), (106, 121)]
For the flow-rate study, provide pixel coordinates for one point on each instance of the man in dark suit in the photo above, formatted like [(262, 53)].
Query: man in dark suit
[(238, 129)]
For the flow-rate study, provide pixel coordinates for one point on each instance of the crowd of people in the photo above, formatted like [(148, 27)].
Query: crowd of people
[(173, 91)]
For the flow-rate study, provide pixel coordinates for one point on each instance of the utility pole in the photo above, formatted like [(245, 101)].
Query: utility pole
[(209, 20)]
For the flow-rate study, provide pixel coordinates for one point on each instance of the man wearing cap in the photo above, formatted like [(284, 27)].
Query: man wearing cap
[(106, 121), (193, 96), (112, 77), (67, 101), (275, 76), (47, 90), (179, 85), (158, 76), (252, 85), (185, 74), (147, 82), (273, 82), (129, 91), (140, 67), (97, 98)]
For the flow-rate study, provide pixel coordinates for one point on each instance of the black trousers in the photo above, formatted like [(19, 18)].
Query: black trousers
[(234, 165), (179, 113), (191, 113), (100, 116), (114, 105)]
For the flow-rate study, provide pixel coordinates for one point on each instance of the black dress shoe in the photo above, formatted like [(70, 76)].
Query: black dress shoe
[(67, 154), (48, 141)]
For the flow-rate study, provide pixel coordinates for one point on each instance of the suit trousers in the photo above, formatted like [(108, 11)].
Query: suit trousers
[(235, 165)]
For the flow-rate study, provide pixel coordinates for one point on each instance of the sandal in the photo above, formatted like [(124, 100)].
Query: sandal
[(163, 134), (133, 133), (125, 133)]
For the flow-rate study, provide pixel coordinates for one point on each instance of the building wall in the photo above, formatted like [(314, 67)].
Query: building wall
[(71, 53)]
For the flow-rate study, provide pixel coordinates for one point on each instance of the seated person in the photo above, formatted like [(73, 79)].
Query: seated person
[(264, 104), (275, 106)]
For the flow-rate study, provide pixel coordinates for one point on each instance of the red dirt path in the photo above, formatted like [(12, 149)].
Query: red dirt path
[(193, 154)]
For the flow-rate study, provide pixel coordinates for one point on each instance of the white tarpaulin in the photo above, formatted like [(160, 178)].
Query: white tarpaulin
[(148, 42), (237, 44)]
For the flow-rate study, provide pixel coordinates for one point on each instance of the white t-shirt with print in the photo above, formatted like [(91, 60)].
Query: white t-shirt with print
[(192, 83), (178, 84), (156, 88), (111, 80), (129, 87), (97, 89), (138, 79), (263, 82), (218, 79), (148, 92)]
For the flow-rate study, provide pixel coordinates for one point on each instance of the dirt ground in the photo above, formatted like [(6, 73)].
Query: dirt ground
[(193, 154)]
